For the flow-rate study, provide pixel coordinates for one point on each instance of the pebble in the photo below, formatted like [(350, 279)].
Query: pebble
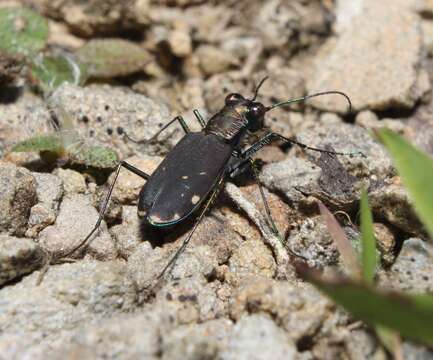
[(17, 196), (18, 257), (343, 63), (76, 219)]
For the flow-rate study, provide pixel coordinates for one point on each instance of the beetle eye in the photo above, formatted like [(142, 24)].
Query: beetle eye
[(233, 98), (256, 110), (255, 116)]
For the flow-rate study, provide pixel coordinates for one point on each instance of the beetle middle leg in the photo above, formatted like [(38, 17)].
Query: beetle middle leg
[(104, 206)]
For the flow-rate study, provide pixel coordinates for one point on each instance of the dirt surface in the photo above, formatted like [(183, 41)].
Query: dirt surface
[(234, 292)]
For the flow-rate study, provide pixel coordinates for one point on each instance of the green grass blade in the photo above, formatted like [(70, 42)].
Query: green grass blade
[(369, 258), (410, 315), (416, 171)]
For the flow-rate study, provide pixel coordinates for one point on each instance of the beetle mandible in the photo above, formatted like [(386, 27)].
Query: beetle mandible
[(193, 172)]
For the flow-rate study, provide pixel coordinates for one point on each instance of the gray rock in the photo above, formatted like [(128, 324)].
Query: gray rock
[(127, 234), (73, 181), (49, 190), (17, 196), (252, 258), (99, 110), (70, 295), (76, 219), (128, 184), (413, 268), (130, 336), (372, 164), (193, 299), (344, 62), (278, 22), (18, 257), (145, 264), (413, 351), (391, 201), (258, 337), (300, 309), (202, 341), (312, 240)]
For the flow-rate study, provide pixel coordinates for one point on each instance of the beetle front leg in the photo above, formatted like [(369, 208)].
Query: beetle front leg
[(180, 119), (271, 137)]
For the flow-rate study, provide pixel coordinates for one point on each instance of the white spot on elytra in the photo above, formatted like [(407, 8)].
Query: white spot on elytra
[(141, 213), (202, 173), (185, 177), (195, 199)]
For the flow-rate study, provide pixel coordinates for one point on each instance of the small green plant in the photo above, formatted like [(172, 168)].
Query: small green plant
[(25, 32), (66, 146), (390, 313)]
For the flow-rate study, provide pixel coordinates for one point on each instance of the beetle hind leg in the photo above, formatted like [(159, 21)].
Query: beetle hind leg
[(103, 209)]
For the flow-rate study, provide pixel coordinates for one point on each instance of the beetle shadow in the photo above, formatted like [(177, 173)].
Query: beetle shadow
[(157, 237)]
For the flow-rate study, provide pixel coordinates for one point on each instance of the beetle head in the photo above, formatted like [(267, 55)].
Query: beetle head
[(252, 111)]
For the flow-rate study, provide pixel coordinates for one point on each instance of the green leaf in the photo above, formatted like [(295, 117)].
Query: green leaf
[(95, 156), (50, 143), (416, 171), (22, 31), (52, 71), (410, 315), (107, 58), (369, 258)]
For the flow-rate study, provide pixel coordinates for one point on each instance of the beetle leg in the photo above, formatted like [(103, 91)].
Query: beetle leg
[(104, 206), (144, 141), (238, 168), (270, 137), (179, 251), (199, 118)]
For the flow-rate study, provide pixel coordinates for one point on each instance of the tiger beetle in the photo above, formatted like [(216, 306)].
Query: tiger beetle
[(193, 172)]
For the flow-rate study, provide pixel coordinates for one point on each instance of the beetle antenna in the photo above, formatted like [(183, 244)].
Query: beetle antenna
[(291, 101), (256, 92)]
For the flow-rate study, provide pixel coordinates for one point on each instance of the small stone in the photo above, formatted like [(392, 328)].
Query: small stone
[(17, 196), (202, 341), (73, 181), (18, 257), (392, 202), (258, 337), (128, 184), (252, 257), (40, 217), (413, 268), (312, 240), (77, 217), (213, 60), (345, 60), (180, 42), (130, 336), (385, 242), (127, 234), (49, 189), (300, 309), (194, 299)]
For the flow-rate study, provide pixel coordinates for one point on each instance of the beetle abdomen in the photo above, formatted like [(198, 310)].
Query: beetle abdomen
[(183, 179)]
